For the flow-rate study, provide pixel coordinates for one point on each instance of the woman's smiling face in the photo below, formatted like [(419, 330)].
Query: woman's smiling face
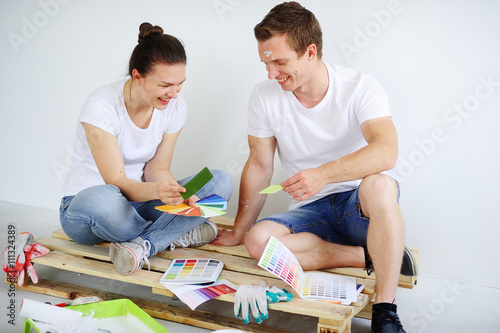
[(162, 83)]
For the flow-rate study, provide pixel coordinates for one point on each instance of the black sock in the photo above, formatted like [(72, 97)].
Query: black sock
[(385, 306)]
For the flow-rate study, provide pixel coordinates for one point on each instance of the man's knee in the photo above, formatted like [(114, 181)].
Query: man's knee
[(258, 236), (255, 242), (379, 186), (377, 191)]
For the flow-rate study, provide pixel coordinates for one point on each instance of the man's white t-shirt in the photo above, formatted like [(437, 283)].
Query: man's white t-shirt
[(105, 108), (309, 137)]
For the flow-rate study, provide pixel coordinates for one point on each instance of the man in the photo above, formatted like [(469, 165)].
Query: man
[(334, 135)]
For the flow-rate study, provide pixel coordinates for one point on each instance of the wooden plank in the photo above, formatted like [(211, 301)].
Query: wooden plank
[(335, 312), (60, 234), (100, 269), (96, 252), (237, 264), (241, 251), (242, 265), (73, 248), (155, 309), (366, 312), (325, 328), (152, 278), (223, 221), (240, 269)]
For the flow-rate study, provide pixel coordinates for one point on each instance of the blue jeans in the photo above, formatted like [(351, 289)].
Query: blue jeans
[(101, 213), (336, 218)]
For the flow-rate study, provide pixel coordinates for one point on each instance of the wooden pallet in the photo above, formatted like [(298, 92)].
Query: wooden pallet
[(239, 268)]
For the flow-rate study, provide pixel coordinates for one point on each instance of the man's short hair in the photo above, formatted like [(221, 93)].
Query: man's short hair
[(298, 24)]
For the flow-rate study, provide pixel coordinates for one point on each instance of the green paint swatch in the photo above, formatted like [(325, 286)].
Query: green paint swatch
[(198, 181)]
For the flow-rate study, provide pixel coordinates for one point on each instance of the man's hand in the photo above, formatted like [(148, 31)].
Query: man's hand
[(304, 184), (228, 238), (169, 192)]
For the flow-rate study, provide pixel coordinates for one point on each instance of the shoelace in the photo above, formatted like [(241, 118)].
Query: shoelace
[(390, 317), (189, 238), (144, 256)]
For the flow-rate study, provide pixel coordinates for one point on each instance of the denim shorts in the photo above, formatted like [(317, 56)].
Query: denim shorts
[(336, 218)]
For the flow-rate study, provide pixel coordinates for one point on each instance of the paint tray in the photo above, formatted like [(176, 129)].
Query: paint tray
[(110, 309)]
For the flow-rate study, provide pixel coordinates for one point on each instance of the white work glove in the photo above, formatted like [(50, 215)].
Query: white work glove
[(256, 298)]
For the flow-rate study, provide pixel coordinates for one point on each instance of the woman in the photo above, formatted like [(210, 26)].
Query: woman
[(123, 150)]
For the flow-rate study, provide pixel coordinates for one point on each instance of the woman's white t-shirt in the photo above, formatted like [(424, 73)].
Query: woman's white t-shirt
[(105, 108), (309, 137)]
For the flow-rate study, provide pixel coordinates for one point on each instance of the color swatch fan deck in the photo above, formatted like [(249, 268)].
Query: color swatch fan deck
[(212, 205)]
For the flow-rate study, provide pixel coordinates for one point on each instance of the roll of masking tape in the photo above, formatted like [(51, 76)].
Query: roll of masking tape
[(47, 313)]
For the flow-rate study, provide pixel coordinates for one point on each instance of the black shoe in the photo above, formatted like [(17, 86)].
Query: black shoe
[(408, 266), (386, 321)]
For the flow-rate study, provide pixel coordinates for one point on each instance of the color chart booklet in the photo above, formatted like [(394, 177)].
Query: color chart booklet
[(193, 295), (280, 261), (192, 271)]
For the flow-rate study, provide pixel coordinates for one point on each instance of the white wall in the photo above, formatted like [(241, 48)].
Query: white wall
[(437, 60)]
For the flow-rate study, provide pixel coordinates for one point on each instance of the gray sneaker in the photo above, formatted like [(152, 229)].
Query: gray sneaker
[(128, 257), (201, 235)]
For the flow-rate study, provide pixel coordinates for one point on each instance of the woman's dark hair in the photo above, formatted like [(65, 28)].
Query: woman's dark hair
[(298, 24), (155, 47)]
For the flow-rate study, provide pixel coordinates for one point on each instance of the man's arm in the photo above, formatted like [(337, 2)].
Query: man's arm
[(379, 155), (256, 176), (109, 160)]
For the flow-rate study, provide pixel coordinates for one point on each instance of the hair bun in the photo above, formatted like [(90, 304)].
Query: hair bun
[(147, 30)]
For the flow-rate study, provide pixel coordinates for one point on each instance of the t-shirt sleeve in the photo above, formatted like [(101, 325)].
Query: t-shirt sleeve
[(258, 122), (371, 101), (177, 117), (101, 113)]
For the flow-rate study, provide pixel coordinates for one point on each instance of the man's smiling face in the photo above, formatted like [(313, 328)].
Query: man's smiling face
[(283, 64)]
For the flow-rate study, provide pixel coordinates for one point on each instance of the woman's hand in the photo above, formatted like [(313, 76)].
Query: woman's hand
[(169, 192), (191, 200)]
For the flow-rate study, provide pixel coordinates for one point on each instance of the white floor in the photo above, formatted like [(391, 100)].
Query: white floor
[(434, 305)]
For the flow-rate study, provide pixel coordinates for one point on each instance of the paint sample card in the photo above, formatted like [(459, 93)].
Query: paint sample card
[(192, 271), (271, 189), (194, 295), (212, 205), (280, 261), (197, 182)]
